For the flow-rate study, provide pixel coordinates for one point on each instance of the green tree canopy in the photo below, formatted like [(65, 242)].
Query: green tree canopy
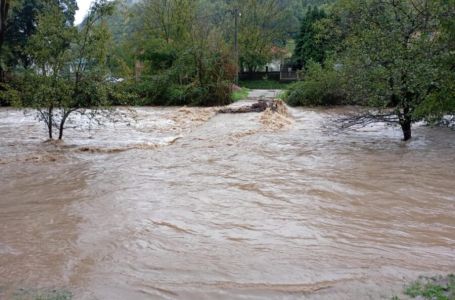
[(308, 45)]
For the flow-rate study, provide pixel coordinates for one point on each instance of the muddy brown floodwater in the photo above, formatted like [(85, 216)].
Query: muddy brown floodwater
[(185, 204)]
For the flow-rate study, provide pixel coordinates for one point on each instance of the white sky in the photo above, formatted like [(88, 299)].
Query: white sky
[(83, 5)]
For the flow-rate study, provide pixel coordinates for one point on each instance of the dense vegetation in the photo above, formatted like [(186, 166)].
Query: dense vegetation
[(396, 56), (186, 49), (173, 52)]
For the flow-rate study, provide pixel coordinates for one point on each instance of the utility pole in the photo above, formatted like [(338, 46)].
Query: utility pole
[(236, 43)]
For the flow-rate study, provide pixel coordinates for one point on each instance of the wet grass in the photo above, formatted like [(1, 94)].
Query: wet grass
[(23, 294), (431, 288), (281, 95), (240, 94)]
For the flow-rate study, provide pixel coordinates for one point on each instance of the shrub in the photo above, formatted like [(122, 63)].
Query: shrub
[(9, 95), (122, 94), (321, 86)]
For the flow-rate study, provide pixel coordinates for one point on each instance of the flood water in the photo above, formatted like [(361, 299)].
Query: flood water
[(176, 203)]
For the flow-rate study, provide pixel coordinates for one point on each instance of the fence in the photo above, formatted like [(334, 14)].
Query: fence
[(260, 76), (287, 73)]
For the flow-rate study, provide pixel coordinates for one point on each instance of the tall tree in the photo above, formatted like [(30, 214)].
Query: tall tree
[(181, 56), (4, 11), (260, 29), (308, 46), (22, 25)]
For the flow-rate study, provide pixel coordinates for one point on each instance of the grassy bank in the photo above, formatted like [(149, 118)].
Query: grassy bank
[(241, 94), (431, 288)]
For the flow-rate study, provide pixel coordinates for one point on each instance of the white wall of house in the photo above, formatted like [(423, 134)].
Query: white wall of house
[(274, 65)]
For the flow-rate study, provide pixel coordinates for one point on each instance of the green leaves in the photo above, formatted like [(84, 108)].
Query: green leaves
[(435, 288), (50, 45), (322, 86), (260, 28), (69, 65), (309, 45), (394, 53)]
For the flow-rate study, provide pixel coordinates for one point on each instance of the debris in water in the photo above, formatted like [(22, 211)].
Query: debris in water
[(276, 118), (259, 106)]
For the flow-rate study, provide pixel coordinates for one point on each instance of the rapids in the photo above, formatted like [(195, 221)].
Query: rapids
[(183, 203)]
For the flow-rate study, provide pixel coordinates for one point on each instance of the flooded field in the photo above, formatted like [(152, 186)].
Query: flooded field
[(182, 203)]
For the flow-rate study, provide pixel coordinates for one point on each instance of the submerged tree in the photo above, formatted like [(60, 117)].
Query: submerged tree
[(395, 56), (69, 72)]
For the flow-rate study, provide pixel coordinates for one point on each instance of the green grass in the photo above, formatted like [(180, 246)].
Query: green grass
[(282, 95), (240, 95), (432, 288), (264, 84), (23, 294)]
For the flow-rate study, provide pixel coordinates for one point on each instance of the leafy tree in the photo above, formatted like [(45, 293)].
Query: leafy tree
[(396, 56), (70, 65), (4, 11), (308, 46), (180, 56), (23, 22), (19, 23), (261, 28)]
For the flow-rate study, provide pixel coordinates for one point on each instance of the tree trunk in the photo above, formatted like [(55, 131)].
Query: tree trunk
[(406, 128), (60, 129), (49, 127), (406, 119), (49, 123), (62, 125)]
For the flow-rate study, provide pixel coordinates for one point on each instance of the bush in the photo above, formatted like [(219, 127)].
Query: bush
[(9, 95), (198, 74), (321, 86), (122, 94), (159, 92)]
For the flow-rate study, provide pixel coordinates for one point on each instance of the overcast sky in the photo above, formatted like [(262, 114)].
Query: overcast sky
[(83, 5)]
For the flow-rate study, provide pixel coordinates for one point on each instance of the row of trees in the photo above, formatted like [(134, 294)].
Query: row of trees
[(395, 55), (160, 52), (175, 55), (183, 52), (262, 24)]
